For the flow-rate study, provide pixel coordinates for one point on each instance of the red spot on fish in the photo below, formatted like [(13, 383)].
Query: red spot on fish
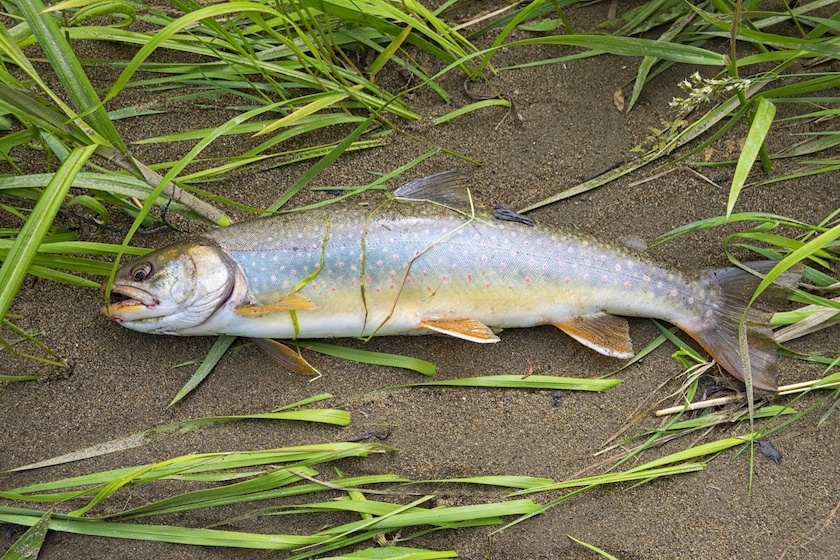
[(314, 286), (483, 258), (391, 286), (526, 243), (586, 277), (545, 267), (367, 280), (293, 272), (674, 293), (469, 277), (510, 287), (588, 263), (566, 280), (531, 261), (603, 257), (428, 289), (627, 284), (539, 241), (646, 278), (425, 273), (395, 256), (487, 285), (503, 265), (333, 288), (571, 249), (603, 278), (527, 280), (341, 265), (378, 290), (617, 267), (408, 280), (379, 263), (691, 300), (352, 282), (443, 277)]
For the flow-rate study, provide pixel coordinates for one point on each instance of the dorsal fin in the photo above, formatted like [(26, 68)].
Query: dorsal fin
[(448, 188)]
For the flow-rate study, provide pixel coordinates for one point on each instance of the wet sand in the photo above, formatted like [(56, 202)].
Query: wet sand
[(120, 381)]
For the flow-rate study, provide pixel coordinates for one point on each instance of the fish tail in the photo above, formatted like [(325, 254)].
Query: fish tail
[(717, 332)]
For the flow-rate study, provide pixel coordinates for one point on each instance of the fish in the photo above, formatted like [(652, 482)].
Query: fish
[(428, 258)]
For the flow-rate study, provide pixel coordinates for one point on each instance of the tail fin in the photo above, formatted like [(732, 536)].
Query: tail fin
[(718, 333)]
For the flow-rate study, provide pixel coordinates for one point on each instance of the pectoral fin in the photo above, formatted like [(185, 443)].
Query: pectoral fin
[(604, 333), (289, 304), (285, 356), (468, 329)]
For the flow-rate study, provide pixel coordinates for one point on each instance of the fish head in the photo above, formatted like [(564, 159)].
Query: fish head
[(174, 288)]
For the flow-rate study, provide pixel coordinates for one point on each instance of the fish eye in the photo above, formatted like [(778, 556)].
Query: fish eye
[(140, 271)]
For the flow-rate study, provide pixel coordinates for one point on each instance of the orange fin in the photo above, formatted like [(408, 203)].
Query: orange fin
[(468, 329), (604, 333), (296, 303), (285, 356)]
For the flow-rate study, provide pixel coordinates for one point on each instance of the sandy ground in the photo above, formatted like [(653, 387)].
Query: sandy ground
[(120, 381)]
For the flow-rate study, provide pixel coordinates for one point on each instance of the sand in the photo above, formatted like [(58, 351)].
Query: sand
[(120, 382)]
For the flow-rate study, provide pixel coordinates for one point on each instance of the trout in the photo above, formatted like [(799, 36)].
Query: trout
[(429, 259)]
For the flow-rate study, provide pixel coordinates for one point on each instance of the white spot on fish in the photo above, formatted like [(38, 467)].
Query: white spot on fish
[(571, 249), (483, 258), (603, 257), (464, 254), (617, 267), (395, 256), (659, 284), (691, 300), (454, 266), (646, 278), (273, 278), (539, 241)]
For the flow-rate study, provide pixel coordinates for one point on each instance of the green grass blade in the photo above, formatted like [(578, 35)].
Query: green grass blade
[(469, 108), (26, 244), (763, 118), (157, 533), (213, 356), (523, 382), (69, 71), (368, 357), (29, 544), (593, 548)]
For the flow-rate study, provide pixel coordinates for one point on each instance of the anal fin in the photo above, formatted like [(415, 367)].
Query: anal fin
[(295, 303), (285, 356), (604, 333), (468, 329)]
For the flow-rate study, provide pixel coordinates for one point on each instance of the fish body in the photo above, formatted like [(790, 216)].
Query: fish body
[(425, 260)]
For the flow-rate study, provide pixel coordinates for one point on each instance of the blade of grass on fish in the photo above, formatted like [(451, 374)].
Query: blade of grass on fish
[(28, 546), (521, 382), (26, 244), (368, 357), (593, 548), (762, 119), (213, 356), (469, 108)]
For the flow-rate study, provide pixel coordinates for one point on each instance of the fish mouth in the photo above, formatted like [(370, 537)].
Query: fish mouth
[(128, 298)]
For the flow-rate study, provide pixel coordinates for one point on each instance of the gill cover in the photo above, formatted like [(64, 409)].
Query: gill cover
[(177, 287)]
